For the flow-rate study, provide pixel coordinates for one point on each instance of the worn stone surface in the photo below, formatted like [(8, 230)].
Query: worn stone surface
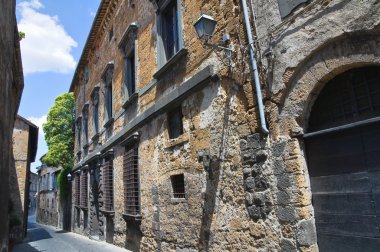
[(260, 180), (10, 94), (25, 135), (48, 207)]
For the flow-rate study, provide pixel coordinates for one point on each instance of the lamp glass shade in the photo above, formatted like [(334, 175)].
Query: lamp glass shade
[(69, 177), (205, 27)]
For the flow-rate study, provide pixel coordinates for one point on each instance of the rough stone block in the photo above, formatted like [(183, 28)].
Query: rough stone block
[(287, 246), (286, 214), (306, 232), (261, 156), (249, 183), (278, 149), (254, 212)]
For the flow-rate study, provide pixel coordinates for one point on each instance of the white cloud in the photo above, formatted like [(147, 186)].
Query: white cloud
[(46, 46), (39, 121)]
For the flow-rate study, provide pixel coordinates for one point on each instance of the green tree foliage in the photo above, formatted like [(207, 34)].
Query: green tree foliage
[(59, 138)]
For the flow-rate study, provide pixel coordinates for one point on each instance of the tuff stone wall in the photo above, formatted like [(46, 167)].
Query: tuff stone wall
[(298, 55), (19, 177), (10, 94), (244, 191)]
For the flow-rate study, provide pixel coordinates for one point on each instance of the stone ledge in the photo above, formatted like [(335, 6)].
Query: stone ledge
[(109, 122), (195, 83), (184, 138), (169, 64), (131, 99)]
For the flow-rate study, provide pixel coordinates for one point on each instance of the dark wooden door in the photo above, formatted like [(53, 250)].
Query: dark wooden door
[(344, 165), (344, 170)]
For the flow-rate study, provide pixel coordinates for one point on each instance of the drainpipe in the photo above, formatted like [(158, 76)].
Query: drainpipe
[(255, 73)]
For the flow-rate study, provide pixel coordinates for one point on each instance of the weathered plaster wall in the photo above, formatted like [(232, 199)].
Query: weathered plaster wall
[(10, 94)]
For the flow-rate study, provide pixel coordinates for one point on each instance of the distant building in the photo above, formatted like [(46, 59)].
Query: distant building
[(33, 190), (48, 196), (25, 138), (12, 83)]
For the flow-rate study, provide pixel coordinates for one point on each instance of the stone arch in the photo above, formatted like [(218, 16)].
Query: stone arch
[(302, 89), (332, 59)]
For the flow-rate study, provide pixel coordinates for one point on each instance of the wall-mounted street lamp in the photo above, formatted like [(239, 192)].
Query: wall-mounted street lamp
[(69, 177), (205, 27)]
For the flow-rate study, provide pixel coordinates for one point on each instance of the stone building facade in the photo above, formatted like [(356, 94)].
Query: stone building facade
[(25, 139), (33, 190), (11, 79), (170, 151), (48, 197)]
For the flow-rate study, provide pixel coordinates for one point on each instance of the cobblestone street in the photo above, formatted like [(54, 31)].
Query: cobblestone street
[(46, 238)]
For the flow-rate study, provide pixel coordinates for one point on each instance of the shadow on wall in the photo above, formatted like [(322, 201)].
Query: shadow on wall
[(15, 209)]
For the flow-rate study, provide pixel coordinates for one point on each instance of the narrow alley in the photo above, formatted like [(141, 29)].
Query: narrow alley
[(40, 237)]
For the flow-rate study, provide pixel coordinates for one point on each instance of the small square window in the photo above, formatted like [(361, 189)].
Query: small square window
[(178, 184), (175, 123)]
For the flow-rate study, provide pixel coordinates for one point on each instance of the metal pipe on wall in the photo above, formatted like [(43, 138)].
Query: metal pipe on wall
[(255, 73)]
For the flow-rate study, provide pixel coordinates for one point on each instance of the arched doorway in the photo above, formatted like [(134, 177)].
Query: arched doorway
[(343, 155)]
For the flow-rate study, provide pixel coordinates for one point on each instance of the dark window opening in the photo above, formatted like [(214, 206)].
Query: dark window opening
[(79, 131), (85, 124), (175, 123), (108, 184), (350, 97), (170, 35), (108, 80), (86, 73), (77, 190), (131, 182), (130, 74), (95, 112), (83, 191), (178, 184)]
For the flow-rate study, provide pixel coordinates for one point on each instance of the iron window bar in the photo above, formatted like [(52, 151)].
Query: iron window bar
[(131, 182), (178, 184), (343, 127), (108, 185)]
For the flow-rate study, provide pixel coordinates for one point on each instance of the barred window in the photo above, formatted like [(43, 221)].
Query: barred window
[(77, 189), (83, 191), (131, 181), (178, 184), (108, 184)]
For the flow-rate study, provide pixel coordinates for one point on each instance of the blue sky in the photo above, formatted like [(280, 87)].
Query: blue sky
[(55, 33)]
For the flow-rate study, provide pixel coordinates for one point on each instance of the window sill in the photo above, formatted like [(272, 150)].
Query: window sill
[(184, 138), (107, 213), (84, 208), (132, 217), (109, 122), (178, 200), (130, 100), (95, 137), (170, 63)]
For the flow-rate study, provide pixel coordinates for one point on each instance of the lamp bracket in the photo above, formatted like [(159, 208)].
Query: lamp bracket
[(218, 47)]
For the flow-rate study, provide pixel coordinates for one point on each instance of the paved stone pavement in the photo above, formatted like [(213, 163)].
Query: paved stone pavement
[(47, 238)]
